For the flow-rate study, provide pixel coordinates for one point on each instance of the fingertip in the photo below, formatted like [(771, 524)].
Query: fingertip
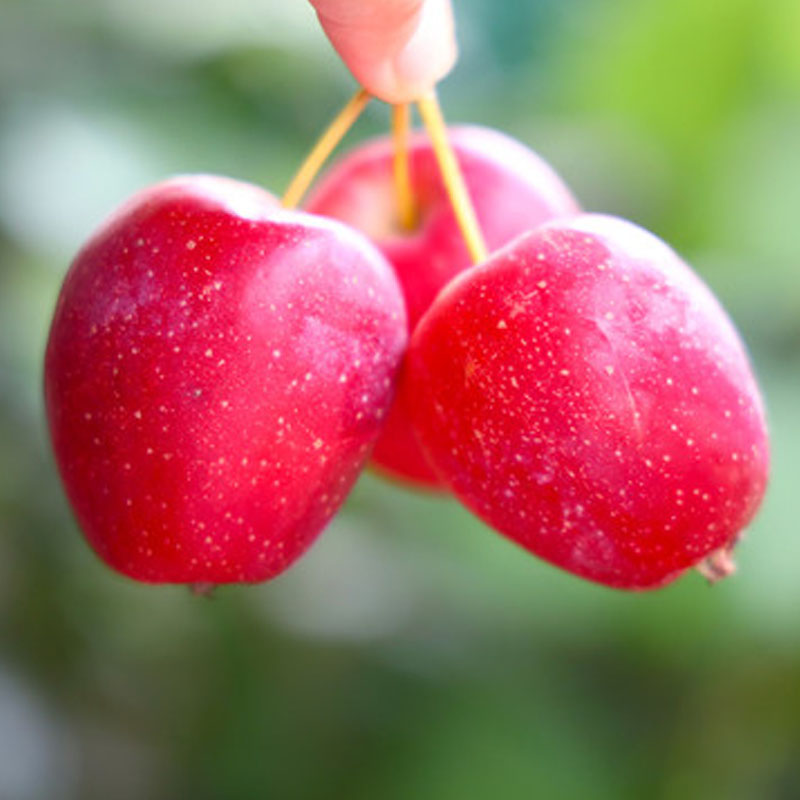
[(427, 57), (396, 49)]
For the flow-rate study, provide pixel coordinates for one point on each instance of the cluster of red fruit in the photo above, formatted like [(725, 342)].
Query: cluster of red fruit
[(220, 369)]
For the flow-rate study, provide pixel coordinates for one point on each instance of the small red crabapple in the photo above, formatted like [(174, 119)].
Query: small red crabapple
[(585, 394), (512, 190), (217, 372)]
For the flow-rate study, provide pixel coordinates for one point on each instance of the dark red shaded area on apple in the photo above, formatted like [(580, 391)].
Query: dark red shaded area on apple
[(512, 189), (217, 372), (585, 394)]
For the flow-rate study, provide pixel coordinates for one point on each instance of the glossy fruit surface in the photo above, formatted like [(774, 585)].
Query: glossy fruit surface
[(585, 394), (512, 189), (217, 372)]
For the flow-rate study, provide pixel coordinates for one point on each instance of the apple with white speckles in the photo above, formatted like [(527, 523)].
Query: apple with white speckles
[(217, 372), (586, 395), (512, 189)]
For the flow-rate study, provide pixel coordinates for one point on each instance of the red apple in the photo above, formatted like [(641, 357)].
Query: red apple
[(585, 394), (513, 190), (217, 372)]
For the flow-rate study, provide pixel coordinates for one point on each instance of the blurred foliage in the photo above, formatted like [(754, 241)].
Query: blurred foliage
[(411, 653)]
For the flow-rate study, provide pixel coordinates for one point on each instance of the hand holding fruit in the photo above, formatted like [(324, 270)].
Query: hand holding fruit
[(219, 369)]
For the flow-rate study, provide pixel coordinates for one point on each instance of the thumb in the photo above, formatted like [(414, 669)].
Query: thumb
[(396, 49)]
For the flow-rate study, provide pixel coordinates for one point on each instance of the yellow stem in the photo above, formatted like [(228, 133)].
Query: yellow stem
[(454, 183), (324, 146), (404, 193)]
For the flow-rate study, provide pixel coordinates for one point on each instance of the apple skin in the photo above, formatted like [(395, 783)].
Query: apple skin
[(217, 372), (585, 394), (512, 190)]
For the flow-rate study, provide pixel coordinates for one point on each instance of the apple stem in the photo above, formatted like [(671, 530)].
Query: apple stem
[(453, 179), (406, 207), (323, 148)]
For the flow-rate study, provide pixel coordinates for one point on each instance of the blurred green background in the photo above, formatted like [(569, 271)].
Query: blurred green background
[(412, 653)]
